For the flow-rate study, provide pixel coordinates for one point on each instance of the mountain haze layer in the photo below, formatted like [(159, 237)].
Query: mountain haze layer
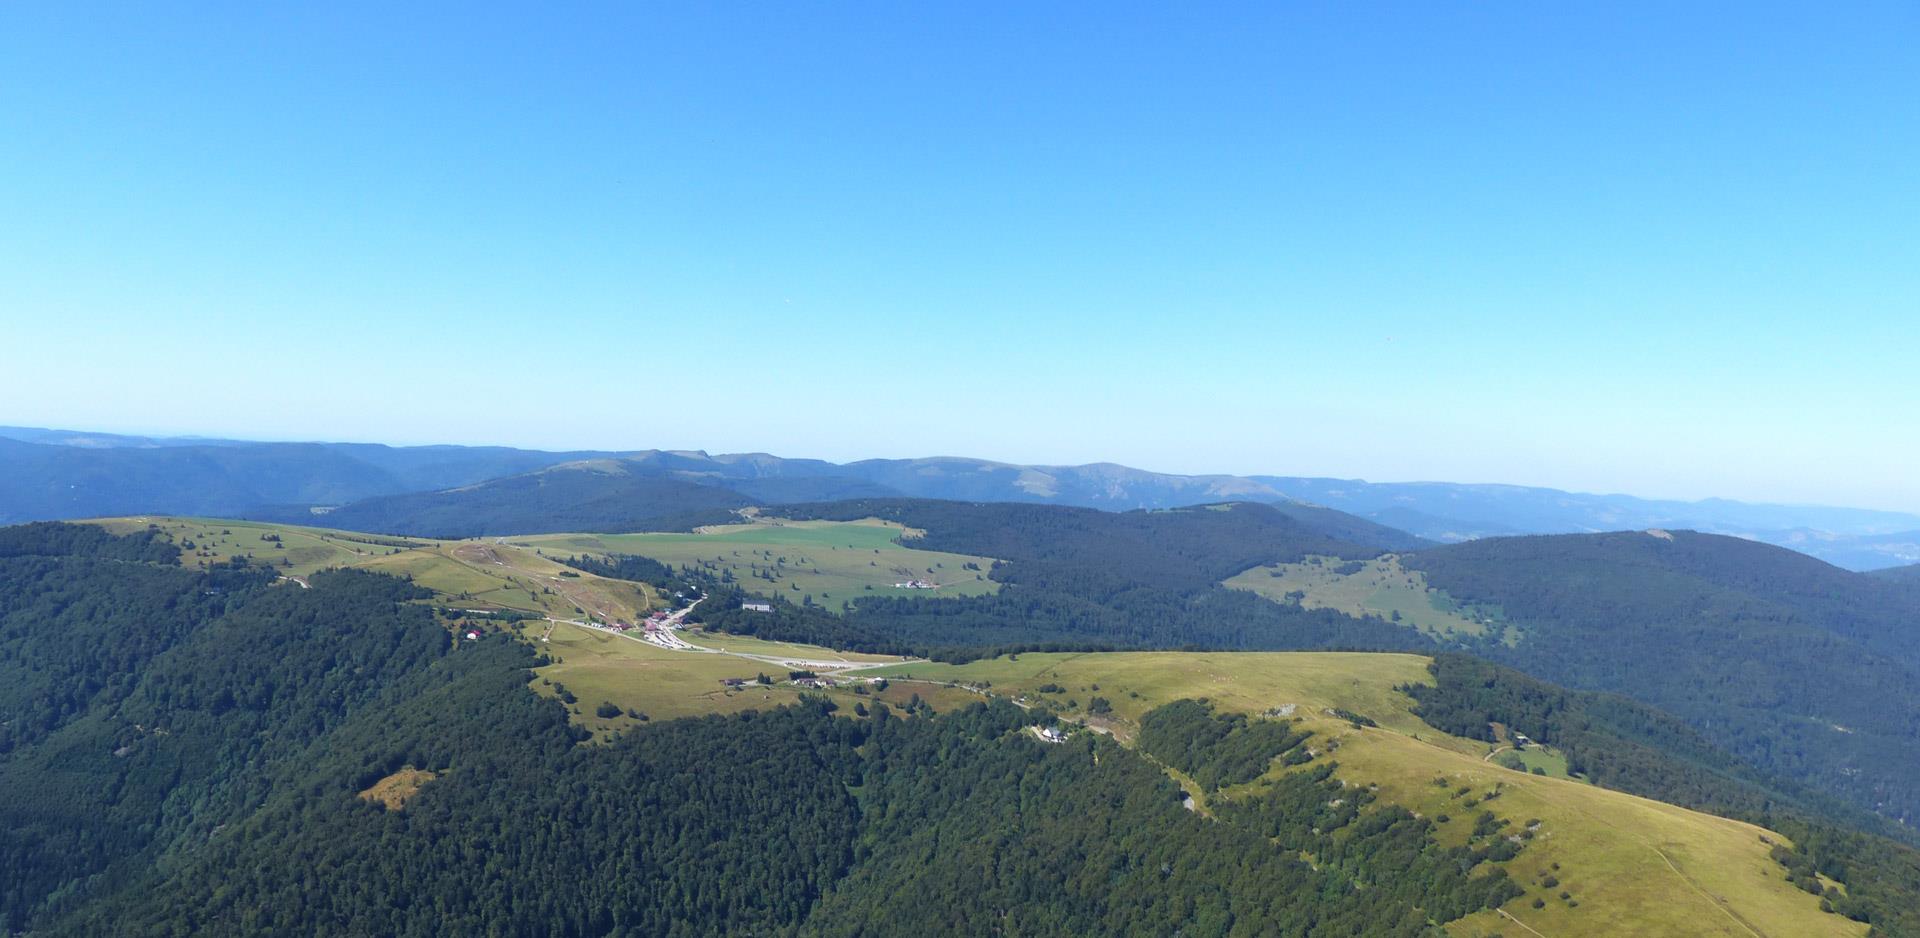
[(57, 474)]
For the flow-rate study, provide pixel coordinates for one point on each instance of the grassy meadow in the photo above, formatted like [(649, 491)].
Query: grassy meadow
[(1631, 866), (297, 552), (835, 562), (463, 574), (1379, 587), (597, 666), (1628, 866), (748, 645)]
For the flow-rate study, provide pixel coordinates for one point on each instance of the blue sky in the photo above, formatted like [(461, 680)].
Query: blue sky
[(1664, 251)]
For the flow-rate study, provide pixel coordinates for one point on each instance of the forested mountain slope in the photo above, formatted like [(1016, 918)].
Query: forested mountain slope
[(1805, 669), (52, 474), (600, 495), (1589, 860), (1127, 579), (329, 760), (1631, 747), (1183, 546), (51, 479)]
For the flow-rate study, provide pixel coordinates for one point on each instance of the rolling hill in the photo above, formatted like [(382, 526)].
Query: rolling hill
[(260, 758), (1361, 719), (1907, 574), (1802, 668), (595, 495), (54, 474)]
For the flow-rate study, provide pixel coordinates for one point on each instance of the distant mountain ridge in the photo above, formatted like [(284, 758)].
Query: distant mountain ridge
[(594, 495), (55, 474)]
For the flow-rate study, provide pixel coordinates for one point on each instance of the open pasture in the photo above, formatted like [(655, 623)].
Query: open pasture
[(1379, 587), (600, 667), (833, 562), (294, 550), (465, 574), (1631, 866)]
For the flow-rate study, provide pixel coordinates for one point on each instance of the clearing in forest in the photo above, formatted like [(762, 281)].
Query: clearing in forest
[(393, 791), (833, 562), (473, 574), (1379, 587), (294, 550)]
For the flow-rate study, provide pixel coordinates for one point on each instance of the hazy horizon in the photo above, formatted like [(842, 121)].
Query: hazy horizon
[(1635, 248), (989, 457)]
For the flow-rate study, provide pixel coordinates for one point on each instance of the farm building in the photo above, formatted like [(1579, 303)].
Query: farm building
[(757, 607)]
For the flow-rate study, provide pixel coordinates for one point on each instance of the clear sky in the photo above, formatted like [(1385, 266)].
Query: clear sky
[(1667, 249)]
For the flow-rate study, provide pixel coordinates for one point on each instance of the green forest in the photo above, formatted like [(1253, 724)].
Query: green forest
[(1075, 577), (1632, 747), (211, 783), (1805, 670), (203, 751)]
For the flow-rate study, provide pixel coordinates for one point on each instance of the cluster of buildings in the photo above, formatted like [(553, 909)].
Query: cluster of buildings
[(916, 585), (652, 624), (815, 682)]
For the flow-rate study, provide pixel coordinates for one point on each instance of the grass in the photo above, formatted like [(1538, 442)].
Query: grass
[(1545, 758), (1634, 866), (1380, 587), (483, 575), (597, 667), (834, 562), (745, 645), (601, 667), (298, 552), (1136, 682), (899, 695), (393, 791), (463, 574)]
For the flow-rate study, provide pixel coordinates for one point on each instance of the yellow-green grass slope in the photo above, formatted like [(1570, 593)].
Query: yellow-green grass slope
[(476, 574), (1633, 867), (299, 551), (1380, 587), (834, 562), (601, 667), (747, 645)]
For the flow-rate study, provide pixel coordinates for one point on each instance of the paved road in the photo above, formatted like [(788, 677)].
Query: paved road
[(674, 642)]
